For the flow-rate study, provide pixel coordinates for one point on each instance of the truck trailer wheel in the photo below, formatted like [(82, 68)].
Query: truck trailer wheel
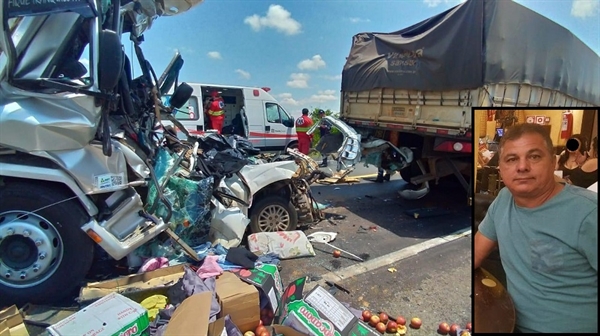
[(411, 171), (273, 213), (44, 254)]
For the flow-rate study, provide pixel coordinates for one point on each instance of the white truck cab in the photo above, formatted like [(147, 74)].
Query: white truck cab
[(251, 112)]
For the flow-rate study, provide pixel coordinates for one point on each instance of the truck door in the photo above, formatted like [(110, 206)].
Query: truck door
[(279, 128)]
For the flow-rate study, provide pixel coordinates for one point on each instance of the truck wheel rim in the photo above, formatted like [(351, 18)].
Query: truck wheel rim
[(273, 218), (31, 249)]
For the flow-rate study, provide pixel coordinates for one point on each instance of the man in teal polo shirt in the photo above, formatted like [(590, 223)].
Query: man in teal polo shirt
[(547, 235)]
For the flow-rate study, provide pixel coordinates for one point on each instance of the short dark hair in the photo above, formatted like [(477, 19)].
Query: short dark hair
[(517, 131), (304, 111), (321, 111)]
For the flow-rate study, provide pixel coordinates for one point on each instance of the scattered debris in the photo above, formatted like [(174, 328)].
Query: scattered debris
[(340, 177), (426, 212), (362, 229), (338, 286), (392, 270)]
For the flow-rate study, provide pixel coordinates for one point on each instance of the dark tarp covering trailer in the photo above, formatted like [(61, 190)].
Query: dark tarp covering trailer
[(471, 45)]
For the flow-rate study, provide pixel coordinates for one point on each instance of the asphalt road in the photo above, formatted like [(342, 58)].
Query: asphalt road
[(432, 280)]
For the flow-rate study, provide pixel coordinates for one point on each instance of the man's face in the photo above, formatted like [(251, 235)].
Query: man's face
[(526, 166)]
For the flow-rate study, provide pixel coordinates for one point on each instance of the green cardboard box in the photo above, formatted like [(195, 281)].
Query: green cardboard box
[(112, 315), (318, 313), (266, 277)]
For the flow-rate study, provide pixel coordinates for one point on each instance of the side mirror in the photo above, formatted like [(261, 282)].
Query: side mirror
[(110, 64), (182, 94), (288, 122)]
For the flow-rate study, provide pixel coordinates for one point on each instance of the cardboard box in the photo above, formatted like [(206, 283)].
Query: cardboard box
[(136, 287), (319, 313), (278, 329), (191, 318), (11, 322), (266, 277), (113, 314), (239, 300)]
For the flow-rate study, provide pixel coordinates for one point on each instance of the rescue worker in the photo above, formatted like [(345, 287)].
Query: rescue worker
[(303, 124), (215, 111), (324, 129)]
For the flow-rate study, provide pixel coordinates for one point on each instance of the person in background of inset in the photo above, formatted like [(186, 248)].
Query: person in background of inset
[(324, 129), (303, 124), (573, 156), (547, 236), (587, 173), (215, 111)]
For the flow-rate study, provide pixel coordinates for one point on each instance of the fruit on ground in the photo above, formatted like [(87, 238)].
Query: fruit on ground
[(402, 330), (337, 253), (374, 320), (469, 327), (380, 327), (415, 322), (401, 320), (249, 333), (453, 329), (366, 315), (392, 327), (384, 318), (444, 328)]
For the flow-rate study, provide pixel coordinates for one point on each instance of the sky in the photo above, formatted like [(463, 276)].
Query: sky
[(298, 47)]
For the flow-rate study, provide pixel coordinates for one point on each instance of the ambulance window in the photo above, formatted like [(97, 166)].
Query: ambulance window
[(272, 113), (284, 115), (189, 110)]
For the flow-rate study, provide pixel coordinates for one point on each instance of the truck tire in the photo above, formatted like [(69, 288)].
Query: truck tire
[(44, 255), (273, 213)]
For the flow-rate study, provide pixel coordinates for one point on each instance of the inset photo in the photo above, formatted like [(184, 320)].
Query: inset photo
[(535, 249)]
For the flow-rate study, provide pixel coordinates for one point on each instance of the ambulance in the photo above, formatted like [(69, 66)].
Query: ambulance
[(250, 112)]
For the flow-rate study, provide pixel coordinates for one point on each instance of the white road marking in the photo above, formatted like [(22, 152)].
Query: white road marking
[(385, 260)]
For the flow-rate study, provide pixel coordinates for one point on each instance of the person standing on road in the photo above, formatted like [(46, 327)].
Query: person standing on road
[(547, 235), (324, 129), (215, 111), (303, 124)]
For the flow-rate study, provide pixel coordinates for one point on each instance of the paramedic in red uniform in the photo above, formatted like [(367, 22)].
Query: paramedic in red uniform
[(215, 111), (303, 124)]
